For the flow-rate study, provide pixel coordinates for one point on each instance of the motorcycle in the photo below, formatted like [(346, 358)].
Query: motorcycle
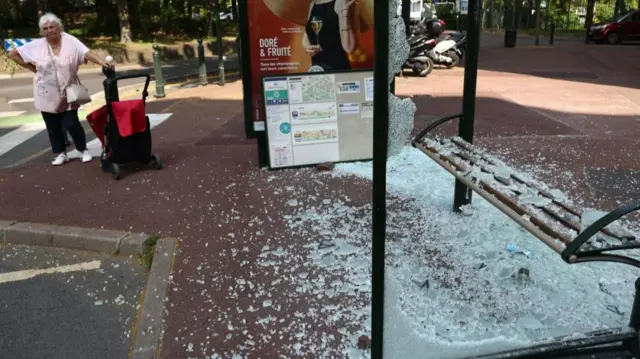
[(419, 62), (443, 52), (461, 42)]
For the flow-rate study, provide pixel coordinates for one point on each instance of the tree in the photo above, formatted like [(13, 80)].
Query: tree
[(125, 24)]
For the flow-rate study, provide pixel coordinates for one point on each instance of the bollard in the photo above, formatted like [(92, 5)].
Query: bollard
[(158, 72), (202, 64), (552, 33)]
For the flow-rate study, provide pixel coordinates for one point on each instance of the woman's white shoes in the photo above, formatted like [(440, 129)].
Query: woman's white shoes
[(86, 156), (60, 159), (63, 158)]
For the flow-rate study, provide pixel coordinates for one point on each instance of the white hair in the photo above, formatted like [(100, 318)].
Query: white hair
[(50, 18)]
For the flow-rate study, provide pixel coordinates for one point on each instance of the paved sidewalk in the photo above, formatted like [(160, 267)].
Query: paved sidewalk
[(241, 281)]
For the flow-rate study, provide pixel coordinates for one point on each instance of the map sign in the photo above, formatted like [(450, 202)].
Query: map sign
[(318, 117)]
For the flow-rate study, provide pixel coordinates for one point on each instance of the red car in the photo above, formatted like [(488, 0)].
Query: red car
[(625, 27)]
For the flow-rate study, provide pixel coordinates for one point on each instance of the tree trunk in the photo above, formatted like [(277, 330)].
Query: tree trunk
[(42, 5), (210, 23), (125, 25), (537, 22), (178, 5), (620, 7), (16, 14), (134, 18), (589, 20), (234, 8)]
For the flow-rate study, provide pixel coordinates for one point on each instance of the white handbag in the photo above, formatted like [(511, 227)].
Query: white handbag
[(77, 94)]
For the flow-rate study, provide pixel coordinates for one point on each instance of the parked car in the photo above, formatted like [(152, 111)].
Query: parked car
[(625, 27)]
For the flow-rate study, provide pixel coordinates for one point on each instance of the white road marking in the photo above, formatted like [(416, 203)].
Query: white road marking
[(95, 146), (11, 113), (30, 273), (20, 100), (19, 135)]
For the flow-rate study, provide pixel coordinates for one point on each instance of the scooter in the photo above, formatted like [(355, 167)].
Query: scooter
[(461, 42), (444, 53), (419, 61)]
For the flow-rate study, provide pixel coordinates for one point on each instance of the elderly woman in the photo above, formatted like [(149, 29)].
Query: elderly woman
[(55, 59)]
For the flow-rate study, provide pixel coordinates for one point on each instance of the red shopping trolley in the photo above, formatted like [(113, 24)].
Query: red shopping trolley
[(123, 128)]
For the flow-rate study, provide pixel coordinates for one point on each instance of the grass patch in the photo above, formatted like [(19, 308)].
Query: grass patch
[(17, 121), (148, 250)]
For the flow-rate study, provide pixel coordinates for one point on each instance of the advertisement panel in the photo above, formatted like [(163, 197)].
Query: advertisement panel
[(318, 117), (302, 36)]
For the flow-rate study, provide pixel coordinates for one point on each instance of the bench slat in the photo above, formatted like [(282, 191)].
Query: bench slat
[(454, 169)]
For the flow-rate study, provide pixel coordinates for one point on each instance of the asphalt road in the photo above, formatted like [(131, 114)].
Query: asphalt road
[(22, 87), (79, 314)]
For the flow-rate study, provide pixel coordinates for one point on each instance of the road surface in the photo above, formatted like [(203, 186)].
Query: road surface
[(58, 303), (22, 132)]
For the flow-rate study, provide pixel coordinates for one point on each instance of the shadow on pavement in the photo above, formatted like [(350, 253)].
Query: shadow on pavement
[(601, 64)]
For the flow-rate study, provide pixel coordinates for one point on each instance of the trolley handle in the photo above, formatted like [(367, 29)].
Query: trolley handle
[(135, 76), (113, 79)]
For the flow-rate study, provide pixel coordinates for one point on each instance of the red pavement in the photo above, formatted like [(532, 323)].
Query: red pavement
[(224, 209)]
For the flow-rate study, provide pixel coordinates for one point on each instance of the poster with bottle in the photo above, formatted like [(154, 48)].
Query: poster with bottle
[(302, 36)]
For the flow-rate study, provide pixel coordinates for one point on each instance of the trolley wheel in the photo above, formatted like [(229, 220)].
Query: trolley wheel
[(155, 162), (105, 165), (115, 171)]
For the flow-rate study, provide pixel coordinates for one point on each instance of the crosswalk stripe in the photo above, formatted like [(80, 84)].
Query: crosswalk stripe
[(29, 130), (20, 100), (19, 135), (11, 113), (95, 146)]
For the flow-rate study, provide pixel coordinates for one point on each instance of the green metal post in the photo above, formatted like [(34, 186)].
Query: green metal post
[(202, 64), (462, 194), (538, 23), (158, 72), (220, 47)]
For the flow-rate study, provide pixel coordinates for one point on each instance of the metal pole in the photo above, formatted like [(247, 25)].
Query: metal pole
[(406, 16), (552, 33), (158, 72), (220, 47), (380, 143), (202, 64), (537, 22), (634, 321), (462, 194)]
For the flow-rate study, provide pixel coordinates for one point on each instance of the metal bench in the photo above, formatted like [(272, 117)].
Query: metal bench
[(543, 213)]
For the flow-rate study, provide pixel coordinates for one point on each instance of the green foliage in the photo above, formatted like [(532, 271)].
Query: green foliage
[(7, 66), (447, 12), (148, 250), (165, 20)]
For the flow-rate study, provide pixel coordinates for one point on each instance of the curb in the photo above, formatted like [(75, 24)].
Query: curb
[(69, 237), (148, 331), (148, 328)]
